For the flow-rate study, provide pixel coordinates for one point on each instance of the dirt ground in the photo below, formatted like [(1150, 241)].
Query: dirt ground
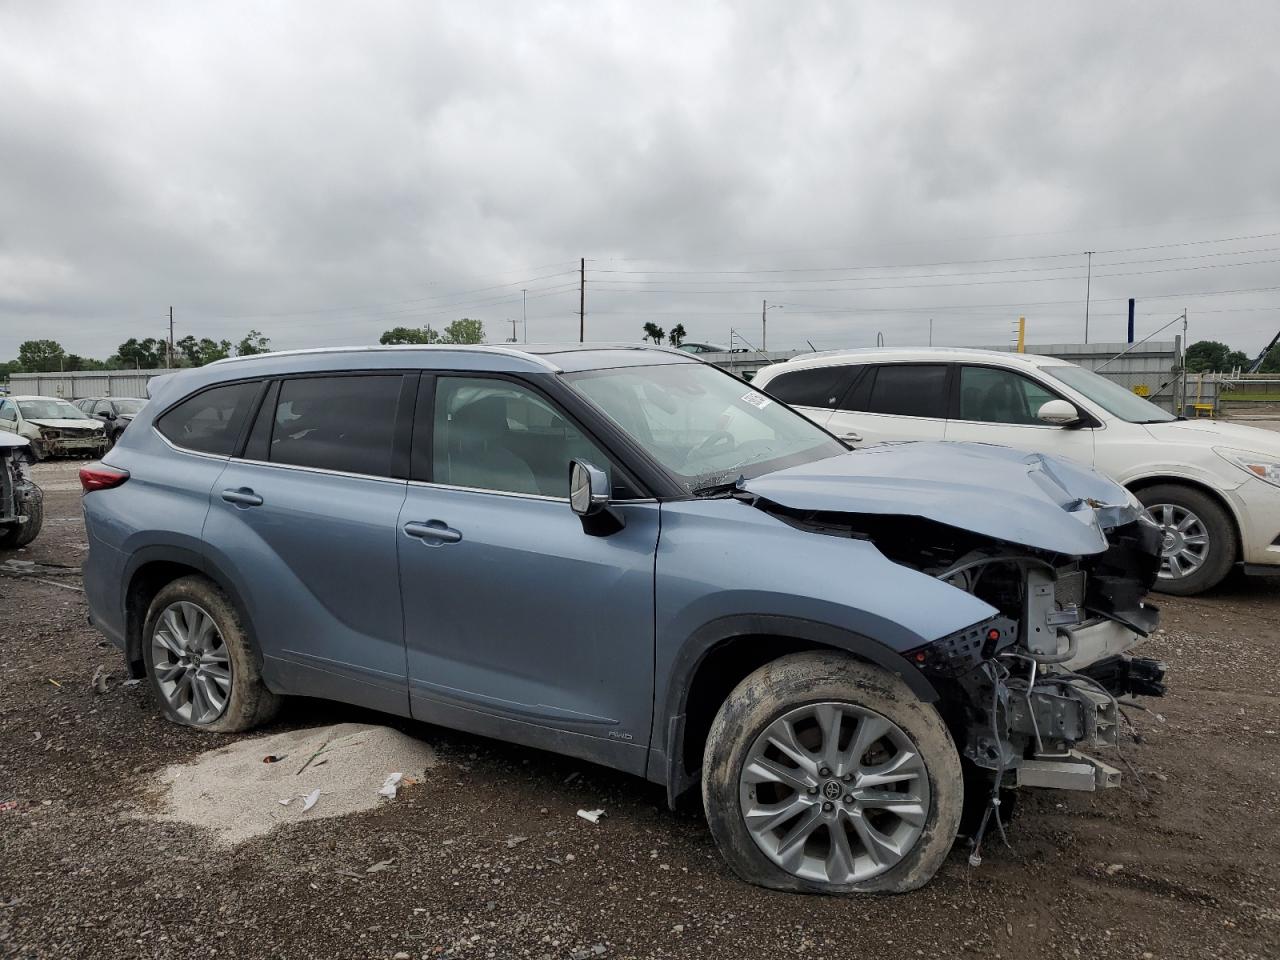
[(1183, 863)]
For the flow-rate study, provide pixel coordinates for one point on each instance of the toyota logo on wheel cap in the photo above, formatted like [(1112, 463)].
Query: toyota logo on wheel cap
[(832, 790)]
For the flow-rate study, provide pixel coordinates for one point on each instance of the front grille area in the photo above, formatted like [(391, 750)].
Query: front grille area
[(1068, 590)]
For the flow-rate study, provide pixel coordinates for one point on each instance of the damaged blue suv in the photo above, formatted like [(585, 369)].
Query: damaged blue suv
[(629, 556)]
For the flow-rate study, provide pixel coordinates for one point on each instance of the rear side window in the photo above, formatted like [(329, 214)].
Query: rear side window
[(336, 423), (816, 387), (909, 390), (210, 421)]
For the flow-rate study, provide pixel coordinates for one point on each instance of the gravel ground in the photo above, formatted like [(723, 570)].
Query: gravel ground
[(1184, 864)]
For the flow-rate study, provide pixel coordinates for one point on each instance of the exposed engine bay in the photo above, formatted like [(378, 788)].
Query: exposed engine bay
[(1023, 690)]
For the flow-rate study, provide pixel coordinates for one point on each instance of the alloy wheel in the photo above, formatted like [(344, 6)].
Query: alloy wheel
[(191, 662), (835, 793), (1185, 547)]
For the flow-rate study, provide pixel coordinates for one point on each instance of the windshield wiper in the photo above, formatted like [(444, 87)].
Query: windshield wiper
[(717, 489)]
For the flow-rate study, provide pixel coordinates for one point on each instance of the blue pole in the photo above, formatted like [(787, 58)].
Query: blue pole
[(1131, 319)]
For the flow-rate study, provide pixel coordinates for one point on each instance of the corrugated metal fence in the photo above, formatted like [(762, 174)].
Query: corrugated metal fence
[(1152, 369), (72, 385)]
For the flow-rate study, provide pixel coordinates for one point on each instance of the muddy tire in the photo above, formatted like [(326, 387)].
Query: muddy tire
[(200, 661), (839, 774), (1201, 544), (19, 535)]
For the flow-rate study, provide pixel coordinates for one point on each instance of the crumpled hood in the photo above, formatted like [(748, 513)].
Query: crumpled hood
[(13, 440), (1031, 499), (67, 424)]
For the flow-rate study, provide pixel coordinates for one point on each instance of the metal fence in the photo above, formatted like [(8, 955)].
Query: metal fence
[(74, 384)]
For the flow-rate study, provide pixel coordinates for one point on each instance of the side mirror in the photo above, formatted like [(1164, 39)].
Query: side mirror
[(1060, 413), (588, 488), (107, 415)]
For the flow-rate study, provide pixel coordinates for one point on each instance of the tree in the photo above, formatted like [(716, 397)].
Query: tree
[(199, 352), (653, 332), (677, 335), (1271, 363), (253, 342), (138, 354), (410, 335), (463, 331), (1213, 356), (41, 356)]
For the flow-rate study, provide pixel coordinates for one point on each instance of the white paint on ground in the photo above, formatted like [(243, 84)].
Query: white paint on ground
[(235, 795)]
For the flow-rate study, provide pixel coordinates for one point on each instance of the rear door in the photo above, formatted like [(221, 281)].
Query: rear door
[(814, 391), (894, 401), (305, 523), (520, 622), (997, 405), (8, 416)]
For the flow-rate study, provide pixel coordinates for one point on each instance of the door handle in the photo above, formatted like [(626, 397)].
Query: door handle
[(243, 497), (851, 436), (433, 531)]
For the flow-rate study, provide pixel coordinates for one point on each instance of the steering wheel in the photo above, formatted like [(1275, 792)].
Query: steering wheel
[(713, 440)]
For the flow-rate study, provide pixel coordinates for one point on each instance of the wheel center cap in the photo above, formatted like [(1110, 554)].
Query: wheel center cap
[(832, 789)]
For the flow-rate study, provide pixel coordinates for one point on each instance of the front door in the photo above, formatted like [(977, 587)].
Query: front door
[(893, 401), (305, 525), (996, 405), (519, 623)]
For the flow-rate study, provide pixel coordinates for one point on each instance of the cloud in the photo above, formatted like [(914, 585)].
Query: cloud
[(323, 171)]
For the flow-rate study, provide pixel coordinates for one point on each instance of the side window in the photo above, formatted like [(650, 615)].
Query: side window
[(909, 390), (210, 421), (7, 412), (337, 423), (989, 395), (494, 434), (815, 387), (103, 406)]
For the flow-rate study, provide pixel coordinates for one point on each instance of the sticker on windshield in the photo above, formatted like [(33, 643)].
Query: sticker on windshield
[(758, 400)]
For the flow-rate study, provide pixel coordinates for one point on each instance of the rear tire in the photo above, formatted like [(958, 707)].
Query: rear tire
[(19, 535), (830, 798), (1173, 505), (187, 658)]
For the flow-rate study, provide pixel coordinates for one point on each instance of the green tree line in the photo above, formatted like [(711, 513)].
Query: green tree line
[(48, 356), (1213, 356)]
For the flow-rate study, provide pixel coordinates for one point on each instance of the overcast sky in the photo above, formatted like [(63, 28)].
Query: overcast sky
[(322, 171)]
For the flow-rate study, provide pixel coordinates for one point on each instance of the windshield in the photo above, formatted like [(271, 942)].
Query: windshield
[(1112, 397), (703, 425), (128, 408), (51, 410)]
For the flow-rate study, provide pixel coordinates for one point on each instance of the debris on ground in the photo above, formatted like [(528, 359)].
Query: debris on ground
[(99, 681), (379, 866), (231, 792), (515, 841), (390, 785), (272, 758), (591, 816)]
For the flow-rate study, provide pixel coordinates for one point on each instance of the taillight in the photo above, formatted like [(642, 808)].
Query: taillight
[(99, 476)]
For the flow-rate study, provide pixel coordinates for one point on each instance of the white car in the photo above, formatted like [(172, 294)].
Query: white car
[(1212, 486), (54, 427)]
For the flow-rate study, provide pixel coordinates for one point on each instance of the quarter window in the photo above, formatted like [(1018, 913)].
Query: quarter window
[(7, 412), (493, 434), (989, 395), (210, 421), (336, 423), (908, 390), (815, 387)]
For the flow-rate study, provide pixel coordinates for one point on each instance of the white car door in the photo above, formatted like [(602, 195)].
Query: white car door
[(8, 416), (893, 401), (998, 405)]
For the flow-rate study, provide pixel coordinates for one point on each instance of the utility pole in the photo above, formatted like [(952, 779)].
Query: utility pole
[(931, 331), (582, 300), (764, 312), (524, 313), (513, 331), (1088, 283)]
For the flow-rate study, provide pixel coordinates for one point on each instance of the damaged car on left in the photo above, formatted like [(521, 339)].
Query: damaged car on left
[(54, 427), (21, 501)]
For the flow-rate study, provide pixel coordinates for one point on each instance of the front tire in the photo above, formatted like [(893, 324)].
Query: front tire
[(1200, 542), (200, 661), (19, 535), (824, 774)]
